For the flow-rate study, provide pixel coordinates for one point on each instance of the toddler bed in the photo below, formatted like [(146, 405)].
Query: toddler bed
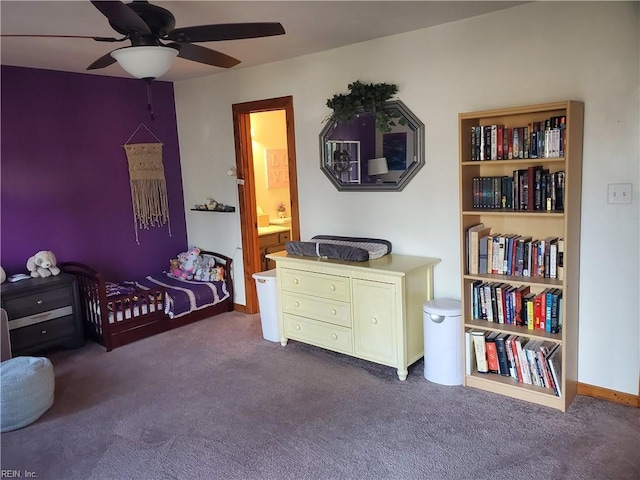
[(118, 314)]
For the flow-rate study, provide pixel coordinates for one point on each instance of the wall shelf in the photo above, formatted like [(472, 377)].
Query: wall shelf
[(233, 209)]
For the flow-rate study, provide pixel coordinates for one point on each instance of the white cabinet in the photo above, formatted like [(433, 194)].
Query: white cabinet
[(370, 310)]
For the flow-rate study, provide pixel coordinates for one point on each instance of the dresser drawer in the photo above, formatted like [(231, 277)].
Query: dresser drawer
[(42, 333), (33, 303), (338, 313), (317, 284), (317, 333)]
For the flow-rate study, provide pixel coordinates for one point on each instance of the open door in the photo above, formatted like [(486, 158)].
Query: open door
[(252, 261)]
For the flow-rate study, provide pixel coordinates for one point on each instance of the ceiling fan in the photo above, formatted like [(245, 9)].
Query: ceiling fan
[(147, 26)]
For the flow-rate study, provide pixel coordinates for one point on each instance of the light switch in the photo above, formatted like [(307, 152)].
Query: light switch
[(619, 193)]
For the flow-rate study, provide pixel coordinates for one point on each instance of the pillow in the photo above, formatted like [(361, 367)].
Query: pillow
[(115, 289)]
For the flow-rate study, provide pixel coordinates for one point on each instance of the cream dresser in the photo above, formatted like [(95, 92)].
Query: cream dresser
[(370, 310)]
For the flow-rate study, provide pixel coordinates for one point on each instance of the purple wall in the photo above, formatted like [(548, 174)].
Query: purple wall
[(363, 129), (65, 179)]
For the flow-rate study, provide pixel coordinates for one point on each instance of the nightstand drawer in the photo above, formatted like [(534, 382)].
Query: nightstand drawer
[(38, 302), (322, 334), (338, 313), (316, 284), (42, 333)]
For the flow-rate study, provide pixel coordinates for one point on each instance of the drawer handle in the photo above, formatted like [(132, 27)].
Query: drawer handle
[(296, 304), (334, 336), (333, 311), (44, 332), (39, 302), (298, 326), (374, 320), (295, 281), (332, 288)]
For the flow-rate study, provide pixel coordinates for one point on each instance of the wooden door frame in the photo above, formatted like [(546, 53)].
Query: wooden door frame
[(247, 190)]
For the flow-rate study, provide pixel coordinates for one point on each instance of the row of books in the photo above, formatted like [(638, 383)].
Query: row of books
[(513, 254), (532, 189), (533, 362), (545, 139), (511, 305)]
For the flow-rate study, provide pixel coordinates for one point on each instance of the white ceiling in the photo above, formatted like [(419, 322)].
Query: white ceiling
[(311, 26)]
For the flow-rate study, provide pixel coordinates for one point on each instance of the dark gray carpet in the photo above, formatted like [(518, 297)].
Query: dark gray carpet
[(214, 400)]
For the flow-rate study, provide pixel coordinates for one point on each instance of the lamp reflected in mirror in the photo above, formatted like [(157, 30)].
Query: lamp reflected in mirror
[(378, 167)]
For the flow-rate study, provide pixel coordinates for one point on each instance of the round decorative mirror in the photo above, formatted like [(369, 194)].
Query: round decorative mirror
[(355, 155)]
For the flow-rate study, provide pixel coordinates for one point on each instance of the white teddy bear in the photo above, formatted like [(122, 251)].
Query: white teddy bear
[(43, 264)]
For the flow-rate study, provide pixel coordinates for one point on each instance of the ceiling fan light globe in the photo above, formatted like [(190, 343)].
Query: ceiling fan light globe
[(145, 61)]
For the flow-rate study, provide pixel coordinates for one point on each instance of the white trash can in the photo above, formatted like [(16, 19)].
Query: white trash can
[(443, 341), (267, 288)]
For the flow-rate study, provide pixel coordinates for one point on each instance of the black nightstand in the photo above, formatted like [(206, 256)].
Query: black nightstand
[(43, 313)]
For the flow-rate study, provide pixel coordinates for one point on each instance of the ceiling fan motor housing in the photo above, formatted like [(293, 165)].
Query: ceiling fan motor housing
[(159, 20)]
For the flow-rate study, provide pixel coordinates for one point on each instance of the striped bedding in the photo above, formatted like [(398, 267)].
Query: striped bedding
[(184, 296)]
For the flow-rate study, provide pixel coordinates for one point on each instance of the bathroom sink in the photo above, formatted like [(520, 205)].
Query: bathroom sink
[(280, 221)]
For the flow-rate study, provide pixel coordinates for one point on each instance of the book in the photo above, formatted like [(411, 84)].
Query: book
[(530, 350), (560, 259), (556, 311), (520, 307), (470, 353), (492, 353), (554, 361), (483, 255), (474, 233), (529, 301), (490, 253), (553, 259), (531, 185), (479, 344), (501, 348), (516, 357), (474, 299), (508, 341), (546, 348), (537, 312), (522, 359)]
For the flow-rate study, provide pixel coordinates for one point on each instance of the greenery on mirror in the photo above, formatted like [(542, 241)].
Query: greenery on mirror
[(365, 97)]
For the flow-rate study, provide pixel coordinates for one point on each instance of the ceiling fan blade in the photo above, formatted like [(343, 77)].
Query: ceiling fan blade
[(97, 39), (122, 16), (200, 54), (225, 31), (102, 62)]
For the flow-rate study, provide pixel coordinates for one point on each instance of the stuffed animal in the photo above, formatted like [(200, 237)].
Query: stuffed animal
[(189, 261), (219, 273), (43, 264), (174, 268)]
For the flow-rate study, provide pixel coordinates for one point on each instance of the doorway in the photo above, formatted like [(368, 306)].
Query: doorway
[(250, 215)]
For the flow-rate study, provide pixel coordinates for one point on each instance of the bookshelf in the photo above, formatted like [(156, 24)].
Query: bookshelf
[(540, 220)]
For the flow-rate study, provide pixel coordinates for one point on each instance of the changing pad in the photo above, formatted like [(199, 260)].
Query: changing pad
[(357, 249)]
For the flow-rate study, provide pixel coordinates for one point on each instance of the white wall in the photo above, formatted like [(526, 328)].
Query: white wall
[(534, 53)]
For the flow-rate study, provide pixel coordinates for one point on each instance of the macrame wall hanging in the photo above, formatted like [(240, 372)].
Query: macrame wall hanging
[(148, 184)]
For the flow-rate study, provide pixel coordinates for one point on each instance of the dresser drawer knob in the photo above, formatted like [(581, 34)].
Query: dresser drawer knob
[(44, 332), (374, 320), (298, 326), (333, 311), (296, 304), (332, 288), (334, 336), (295, 281), (39, 302)]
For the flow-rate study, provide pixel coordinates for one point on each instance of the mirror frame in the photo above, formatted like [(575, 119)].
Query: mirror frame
[(412, 122)]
